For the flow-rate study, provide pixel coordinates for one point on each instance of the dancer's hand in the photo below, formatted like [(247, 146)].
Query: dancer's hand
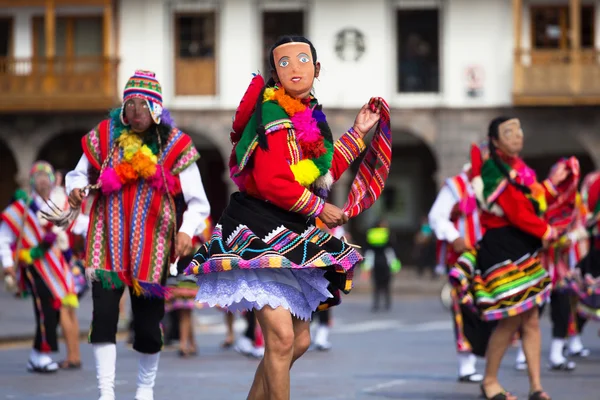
[(459, 246), (76, 198), (183, 245), (332, 216), (10, 271), (560, 174), (367, 118)]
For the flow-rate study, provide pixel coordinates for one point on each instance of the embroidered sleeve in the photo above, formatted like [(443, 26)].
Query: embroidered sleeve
[(519, 211), (91, 147), (347, 149), (188, 157), (275, 181), (550, 191)]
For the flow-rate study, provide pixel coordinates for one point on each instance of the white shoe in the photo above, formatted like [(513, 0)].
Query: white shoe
[(244, 346), (258, 352), (322, 339)]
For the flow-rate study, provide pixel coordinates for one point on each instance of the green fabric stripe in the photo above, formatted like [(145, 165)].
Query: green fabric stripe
[(510, 285)]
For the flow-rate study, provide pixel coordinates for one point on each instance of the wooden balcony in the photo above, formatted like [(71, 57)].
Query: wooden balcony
[(556, 77), (58, 84)]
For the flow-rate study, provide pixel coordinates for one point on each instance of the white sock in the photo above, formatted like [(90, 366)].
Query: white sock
[(466, 364), (521, 355), (556, 351), (106, 361), (575, 344), (148, 368)]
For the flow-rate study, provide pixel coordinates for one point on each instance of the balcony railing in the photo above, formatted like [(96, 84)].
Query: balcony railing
[(557, 77), (58, 84)]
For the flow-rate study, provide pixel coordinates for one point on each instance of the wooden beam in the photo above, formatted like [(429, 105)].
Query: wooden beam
[(517, 62), (42, 3), (50, 29), (575, 15), (107, 29)]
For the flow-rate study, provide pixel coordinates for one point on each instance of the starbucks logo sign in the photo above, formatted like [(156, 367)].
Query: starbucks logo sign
[(350, 44)]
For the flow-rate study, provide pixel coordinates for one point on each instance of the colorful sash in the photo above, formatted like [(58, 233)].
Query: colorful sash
[(130, 235), (374, 168), (468, 225), (52, 267)]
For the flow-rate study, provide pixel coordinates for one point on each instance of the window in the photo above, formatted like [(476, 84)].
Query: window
[(195, 54), (550, 26), (5, 37), (276, 24), (418, 50), (75, 36)]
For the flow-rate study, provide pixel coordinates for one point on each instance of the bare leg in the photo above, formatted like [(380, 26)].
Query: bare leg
[(70, 329), (185, 317), (301, 339), (230, 338), (272, 379), (532, 346), (192, 338), (499, 342)]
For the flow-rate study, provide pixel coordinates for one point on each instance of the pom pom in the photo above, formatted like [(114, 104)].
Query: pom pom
[(467, 206), (313, 149), (25, 257), (306, 126), (318, 114), (20, 194), (36, 253), (147, 151), (143, 165), (166, 118), (109, 181), (50, 238), (127, 139), (290, 105), (305, 172), (45, 347), (126, 173), (156, 181)]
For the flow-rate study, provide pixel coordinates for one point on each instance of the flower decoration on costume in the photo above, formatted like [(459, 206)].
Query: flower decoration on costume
[(309, 124), (29, 256), (139, 161)]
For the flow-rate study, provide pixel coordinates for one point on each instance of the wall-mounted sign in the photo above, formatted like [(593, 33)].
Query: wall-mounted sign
[(350, 44), (474, 81)]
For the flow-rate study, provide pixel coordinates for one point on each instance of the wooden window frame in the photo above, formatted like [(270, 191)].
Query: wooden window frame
[(564, 35), (11, 35), (70, 32), (176, 48)]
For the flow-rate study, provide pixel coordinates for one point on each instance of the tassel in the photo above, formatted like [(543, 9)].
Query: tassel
[(63, 219), (45, 347), (70, 300), (137, 289), (56, 303)]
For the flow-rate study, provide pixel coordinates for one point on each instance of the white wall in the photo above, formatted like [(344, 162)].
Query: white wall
[(350, 84), (478, 33), (143, 39)]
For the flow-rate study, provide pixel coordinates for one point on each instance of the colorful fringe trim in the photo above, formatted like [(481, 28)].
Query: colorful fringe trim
[(505, 290), (115, 280)]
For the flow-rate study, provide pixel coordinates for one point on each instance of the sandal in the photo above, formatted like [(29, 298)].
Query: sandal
[(471, 378), (539, 395), (49, 368), (567, 366), (498, 396), (66, 364), (227, 344), (583, 353)]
